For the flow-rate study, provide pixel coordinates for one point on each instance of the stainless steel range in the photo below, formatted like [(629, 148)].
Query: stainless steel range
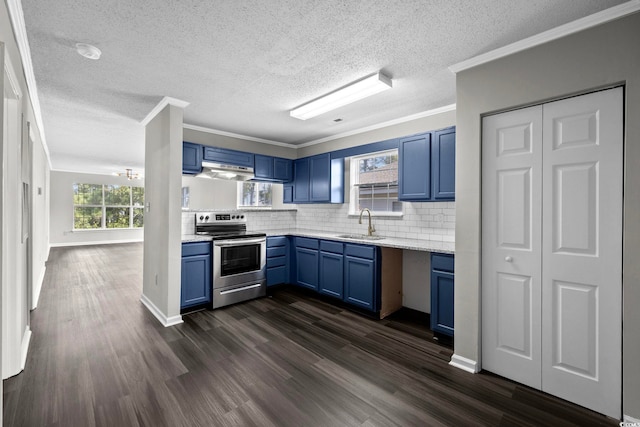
[(239, 257)]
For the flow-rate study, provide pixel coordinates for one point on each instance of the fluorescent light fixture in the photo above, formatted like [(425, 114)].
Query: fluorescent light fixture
[(355, 91)]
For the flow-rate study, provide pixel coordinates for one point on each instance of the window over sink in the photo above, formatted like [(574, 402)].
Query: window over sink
[(374, 183)]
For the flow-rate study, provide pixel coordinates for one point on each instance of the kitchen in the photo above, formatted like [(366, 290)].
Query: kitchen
[(575, 63)]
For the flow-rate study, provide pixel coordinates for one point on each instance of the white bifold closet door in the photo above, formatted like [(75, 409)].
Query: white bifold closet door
[(552, 248)]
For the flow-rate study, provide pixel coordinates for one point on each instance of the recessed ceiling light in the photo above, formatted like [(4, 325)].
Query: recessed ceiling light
[(88, 51)]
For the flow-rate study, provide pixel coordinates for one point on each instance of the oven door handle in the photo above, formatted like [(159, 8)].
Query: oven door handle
[(237, 242)]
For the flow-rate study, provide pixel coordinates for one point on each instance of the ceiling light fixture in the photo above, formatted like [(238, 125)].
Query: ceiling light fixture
[(355, 91), (88, 51), (129, 174)]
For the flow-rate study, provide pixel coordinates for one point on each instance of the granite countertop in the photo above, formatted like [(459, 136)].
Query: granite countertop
[(189, 238), (389, 242)]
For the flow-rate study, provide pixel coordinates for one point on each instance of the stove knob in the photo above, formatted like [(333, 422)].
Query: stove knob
[(201, 217), (206, 218), (233, 217), (241, 216)]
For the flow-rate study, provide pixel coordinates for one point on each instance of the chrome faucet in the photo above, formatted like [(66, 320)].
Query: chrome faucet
[(371, 229)]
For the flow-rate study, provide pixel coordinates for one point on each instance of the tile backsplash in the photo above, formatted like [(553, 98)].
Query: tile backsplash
[(425, 221)]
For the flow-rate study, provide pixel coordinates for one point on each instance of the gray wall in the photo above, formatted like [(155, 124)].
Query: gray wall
[(163, 218), (61, 211), (210, 194), (602, 56), (215, 140), (433, 122)]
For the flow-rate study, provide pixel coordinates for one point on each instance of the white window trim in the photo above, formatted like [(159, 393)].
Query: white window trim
[(352, 162)]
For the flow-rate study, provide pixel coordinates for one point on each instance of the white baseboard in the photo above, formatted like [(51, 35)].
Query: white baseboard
[(26, 340), (464, 364), (164, 320), (36, 291), (630, 420), (95, 242)]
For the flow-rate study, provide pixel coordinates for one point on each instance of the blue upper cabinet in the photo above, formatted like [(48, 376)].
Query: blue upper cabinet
[(191, 158), (228, 157), (263, 167), (269, 168), (443, 151), (414, 180), (301, 180), (426, 170), (282, 169), (318, 179)]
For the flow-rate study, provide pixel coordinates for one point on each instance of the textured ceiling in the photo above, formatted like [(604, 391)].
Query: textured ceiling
[(243, 65)]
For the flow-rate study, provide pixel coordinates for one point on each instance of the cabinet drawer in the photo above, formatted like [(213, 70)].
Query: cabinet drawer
[(367, 252), (329, 246), (442, 262), (198, 248), (276, 241), (305, 242), (276, 252), (276, 262)]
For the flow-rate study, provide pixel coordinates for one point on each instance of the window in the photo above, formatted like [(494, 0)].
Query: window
[(374, 183), (254, 194), (97, 206)]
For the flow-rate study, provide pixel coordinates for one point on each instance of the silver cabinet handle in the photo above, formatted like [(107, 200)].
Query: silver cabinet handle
[(508, 259)]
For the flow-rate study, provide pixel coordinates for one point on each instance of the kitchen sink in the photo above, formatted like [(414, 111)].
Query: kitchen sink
[(360, 237)]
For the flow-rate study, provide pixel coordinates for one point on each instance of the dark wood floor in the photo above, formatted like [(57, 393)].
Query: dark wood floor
[(98, 357)]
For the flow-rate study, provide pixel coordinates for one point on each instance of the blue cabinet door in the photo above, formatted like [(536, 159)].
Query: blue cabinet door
[(196, 280), (331, 274), (282, 169), (287, 193), (320, 178), (442, 302), (301, 180), (191, 158), (307, 268), (263, 167), (228, 157), (444, 164), (414, 168), (360, 282), (442, 292)]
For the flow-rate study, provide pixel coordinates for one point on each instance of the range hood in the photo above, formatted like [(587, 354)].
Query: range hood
[(227, 172)]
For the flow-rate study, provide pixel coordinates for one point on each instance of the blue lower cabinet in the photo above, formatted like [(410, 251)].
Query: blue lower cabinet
[(196, 274), (442, 293), (361, 278), (331, 274), (307, 267), (360, 281), (277, 260)]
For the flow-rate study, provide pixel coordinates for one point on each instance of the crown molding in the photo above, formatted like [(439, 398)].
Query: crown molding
[(20, 33), (405, 119), (581, 24), (236, 135), (167, 100)]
